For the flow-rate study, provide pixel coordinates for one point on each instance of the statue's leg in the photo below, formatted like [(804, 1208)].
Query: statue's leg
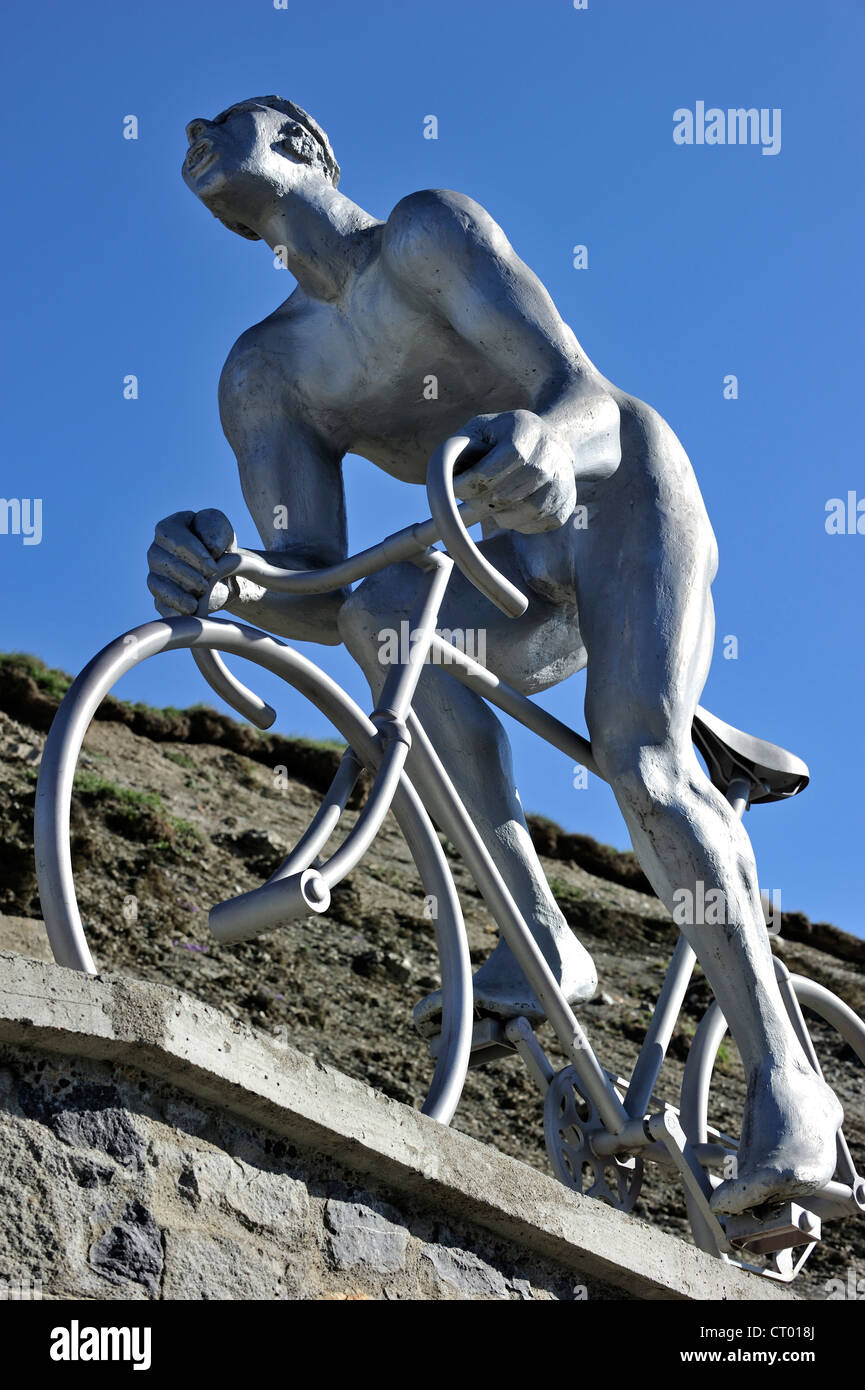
[(537, 649), (647, 621)]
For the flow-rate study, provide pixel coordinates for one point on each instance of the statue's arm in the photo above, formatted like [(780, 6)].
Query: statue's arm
[(292, 484), (446, 249)]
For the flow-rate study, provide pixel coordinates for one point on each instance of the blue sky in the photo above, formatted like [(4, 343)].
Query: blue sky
[(703, 261)]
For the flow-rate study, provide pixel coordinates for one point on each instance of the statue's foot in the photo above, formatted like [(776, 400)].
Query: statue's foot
[(501, 988), (788, 1144)]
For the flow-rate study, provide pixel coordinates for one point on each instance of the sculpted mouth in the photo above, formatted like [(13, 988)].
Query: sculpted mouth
[(198, 155)]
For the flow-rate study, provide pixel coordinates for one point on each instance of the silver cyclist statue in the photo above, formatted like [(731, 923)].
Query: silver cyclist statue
[(590, 507)]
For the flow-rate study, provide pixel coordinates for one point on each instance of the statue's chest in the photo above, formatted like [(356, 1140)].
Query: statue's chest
[(383, 365)]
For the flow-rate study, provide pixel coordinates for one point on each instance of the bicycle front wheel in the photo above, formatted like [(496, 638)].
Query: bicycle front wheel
[(54, 794)]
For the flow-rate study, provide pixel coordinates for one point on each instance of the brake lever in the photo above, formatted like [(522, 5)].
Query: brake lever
[(214, 670)]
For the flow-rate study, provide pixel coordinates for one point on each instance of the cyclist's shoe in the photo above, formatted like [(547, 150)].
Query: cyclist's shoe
[(501, 989), (789, 1146)]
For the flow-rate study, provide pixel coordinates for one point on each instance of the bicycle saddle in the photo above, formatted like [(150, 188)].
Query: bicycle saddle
[(774, 773)]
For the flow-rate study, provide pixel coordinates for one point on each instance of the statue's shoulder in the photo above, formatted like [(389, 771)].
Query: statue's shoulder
[(436, 225), (260, 362)]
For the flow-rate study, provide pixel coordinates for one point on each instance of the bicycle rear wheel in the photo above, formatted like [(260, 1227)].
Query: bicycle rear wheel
[(54, 793), (834, 1037)]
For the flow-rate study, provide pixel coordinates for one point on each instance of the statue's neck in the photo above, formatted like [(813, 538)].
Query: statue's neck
[(321, 240)]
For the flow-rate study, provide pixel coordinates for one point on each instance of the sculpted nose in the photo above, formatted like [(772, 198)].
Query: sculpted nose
[(195, 129)]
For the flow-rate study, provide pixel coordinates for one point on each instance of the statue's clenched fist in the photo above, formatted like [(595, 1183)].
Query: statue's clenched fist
[(182, 561), (521, 468)]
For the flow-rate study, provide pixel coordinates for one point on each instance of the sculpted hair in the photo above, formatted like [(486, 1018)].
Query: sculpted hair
[(313, 147)]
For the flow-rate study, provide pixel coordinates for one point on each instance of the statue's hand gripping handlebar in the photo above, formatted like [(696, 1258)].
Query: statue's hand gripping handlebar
[(448, 523)]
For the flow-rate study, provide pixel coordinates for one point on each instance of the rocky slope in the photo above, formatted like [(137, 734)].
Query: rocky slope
[(175, 810)]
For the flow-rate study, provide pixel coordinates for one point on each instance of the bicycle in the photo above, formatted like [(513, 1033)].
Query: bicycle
[(599, 1128)]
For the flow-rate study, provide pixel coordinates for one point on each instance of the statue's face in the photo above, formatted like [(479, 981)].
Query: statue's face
[(236, 156)]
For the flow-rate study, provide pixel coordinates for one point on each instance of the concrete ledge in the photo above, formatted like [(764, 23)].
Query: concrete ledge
[(169, 1035)]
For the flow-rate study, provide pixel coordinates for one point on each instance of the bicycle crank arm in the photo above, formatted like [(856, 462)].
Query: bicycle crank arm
[(666, 1128)]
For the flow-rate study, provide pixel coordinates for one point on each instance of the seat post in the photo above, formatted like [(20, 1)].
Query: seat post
[(739, 794)]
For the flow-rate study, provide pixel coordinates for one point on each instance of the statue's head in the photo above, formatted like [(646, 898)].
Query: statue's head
[(258, 148)]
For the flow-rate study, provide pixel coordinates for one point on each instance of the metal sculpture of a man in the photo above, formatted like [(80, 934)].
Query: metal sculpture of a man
[(436, 291)]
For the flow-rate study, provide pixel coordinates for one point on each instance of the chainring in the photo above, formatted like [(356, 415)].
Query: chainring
[(570, 1119)]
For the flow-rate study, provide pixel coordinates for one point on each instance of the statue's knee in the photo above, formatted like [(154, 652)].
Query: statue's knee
[(648, 778), (353, 621), (375, 609), (615, 752)]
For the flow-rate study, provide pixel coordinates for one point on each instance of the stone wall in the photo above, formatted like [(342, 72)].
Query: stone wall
[(151, 1147), (113, 1187)]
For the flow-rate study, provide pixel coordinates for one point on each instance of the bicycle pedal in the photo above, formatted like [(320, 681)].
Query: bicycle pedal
[(488, 1043), (777, 1228)]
